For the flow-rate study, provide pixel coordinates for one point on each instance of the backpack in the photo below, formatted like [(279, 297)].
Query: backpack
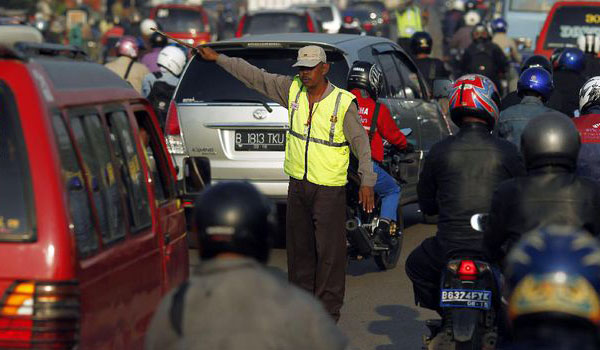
[(482, 62), (160, 96)]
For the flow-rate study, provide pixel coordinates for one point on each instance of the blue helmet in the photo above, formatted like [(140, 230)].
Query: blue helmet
[(535, 79), (499, 25), (553, 274), (572, 59)]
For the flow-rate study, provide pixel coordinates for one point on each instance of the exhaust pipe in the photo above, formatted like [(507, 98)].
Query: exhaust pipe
[(359, 237)]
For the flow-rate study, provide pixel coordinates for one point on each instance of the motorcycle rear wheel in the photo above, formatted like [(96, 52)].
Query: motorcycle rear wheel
[(387, 260)]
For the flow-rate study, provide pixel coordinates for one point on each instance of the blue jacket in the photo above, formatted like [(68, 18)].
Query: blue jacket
[(513, 120)]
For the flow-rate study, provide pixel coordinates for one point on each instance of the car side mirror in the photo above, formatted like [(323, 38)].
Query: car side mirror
[(406, 131), (441, 88)]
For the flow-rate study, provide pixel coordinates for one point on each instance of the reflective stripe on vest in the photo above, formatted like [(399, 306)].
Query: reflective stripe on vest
[(409, 22), (318, 152)]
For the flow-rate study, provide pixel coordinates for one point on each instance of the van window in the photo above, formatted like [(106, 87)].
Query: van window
[(275, 23), (130, 170), (225, 86), (95, 154), (16, 199), (77, 196), (392, 78), (569, 23), (179, 20), (154, 154), (409, 75)]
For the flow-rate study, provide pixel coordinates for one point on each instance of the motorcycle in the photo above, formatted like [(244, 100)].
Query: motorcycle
[(469, 301), (360, 225)]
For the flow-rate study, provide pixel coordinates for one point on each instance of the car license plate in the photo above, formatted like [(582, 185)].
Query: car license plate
[(260, 140), (478, 299)]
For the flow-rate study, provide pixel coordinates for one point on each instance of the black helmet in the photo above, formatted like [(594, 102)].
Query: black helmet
[(421, 42), (364, 75), (550, 139), (480, 32), (537, 61), (233, 217), (157, 40)]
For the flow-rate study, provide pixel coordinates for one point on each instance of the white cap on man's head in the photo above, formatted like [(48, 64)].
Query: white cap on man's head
[(310, 56)]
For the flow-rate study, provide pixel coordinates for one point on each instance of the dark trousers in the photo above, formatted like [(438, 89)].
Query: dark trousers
[(316, 241), (424, 268)]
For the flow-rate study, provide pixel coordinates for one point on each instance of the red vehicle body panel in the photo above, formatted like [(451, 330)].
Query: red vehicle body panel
[(201, 37), (122, 283), (539, 47)]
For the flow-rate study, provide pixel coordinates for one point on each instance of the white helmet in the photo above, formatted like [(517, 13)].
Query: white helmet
[(458, 5), (589, 95), (172, 59), (589, 43), (472, 18), (146, 26)]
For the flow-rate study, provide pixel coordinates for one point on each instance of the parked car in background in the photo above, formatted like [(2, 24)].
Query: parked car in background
[(327, 14), (380, 13), (525, 19), (278, 21), (567, 21), (243, 133), (92, 234), (13, 33), (189, 23), (351, 24)]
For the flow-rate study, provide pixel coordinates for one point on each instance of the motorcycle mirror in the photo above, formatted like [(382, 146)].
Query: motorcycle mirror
[(441, 88), (406, 131), (479, 222)]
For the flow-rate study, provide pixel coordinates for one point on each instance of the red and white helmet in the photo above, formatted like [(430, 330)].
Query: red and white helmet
[(128, 46), (474, 95)]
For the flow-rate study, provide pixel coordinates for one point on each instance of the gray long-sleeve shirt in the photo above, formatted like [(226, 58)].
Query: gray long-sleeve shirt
[(237, 304), (277, 88)]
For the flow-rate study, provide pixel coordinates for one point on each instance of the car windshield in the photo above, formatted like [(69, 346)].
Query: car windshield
[(178, 20), (531, 5), (16, 221), (360, 14), (267, 23), (372, 6), (569, 23), (323, 13), (225, 86)]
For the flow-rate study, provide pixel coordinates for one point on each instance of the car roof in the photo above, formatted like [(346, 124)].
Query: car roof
[(341, 41), (312, 5), (273, 11)]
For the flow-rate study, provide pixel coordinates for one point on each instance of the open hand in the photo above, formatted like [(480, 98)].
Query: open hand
[(207, 53), (366, 198)]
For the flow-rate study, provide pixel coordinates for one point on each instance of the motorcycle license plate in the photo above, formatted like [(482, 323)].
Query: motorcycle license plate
[(477, 299)]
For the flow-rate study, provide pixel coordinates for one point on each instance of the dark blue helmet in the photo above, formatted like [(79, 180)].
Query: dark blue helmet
[(553, 273), (499, 25), (572, 59), (537, 61), (535, 79)]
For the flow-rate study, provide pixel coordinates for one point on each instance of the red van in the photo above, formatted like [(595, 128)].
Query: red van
[(566, 21), (189, 23), (92, 234)]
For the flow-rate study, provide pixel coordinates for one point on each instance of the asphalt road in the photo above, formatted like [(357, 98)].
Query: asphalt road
[(379, 311)]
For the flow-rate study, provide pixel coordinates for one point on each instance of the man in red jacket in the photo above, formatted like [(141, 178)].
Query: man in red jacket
[(365, 81)]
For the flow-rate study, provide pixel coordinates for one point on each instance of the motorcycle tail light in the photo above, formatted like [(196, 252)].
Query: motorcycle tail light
[(467, 270), (348, 19), (368, 26)]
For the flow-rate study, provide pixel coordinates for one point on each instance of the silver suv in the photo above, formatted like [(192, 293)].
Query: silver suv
[(242, 133)]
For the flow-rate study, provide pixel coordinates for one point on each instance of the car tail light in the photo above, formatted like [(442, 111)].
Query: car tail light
[(348, 19), (40, 315), (309, 24), (385, 15), (467, 270), (240, 30), (173, 136), (368, 26)]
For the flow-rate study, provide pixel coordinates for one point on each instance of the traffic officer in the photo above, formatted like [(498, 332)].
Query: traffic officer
[(324, 125), (232, 301), (409, 20)]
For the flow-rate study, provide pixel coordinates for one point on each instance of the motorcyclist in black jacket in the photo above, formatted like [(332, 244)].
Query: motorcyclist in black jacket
[(568, 79), (432, 68), (458, 179), (551, 193)]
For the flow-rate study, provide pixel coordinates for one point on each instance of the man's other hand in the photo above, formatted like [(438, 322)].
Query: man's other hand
[(366, 198), (207, 53)]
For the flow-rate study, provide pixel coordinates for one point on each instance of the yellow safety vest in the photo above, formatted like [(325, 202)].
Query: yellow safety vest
[(317, 151), (409, 22)]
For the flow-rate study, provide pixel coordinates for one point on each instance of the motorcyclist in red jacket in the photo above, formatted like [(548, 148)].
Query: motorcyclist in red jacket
[(365, 81)]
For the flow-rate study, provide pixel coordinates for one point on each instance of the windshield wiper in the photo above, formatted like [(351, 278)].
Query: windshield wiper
[(266, 105)]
